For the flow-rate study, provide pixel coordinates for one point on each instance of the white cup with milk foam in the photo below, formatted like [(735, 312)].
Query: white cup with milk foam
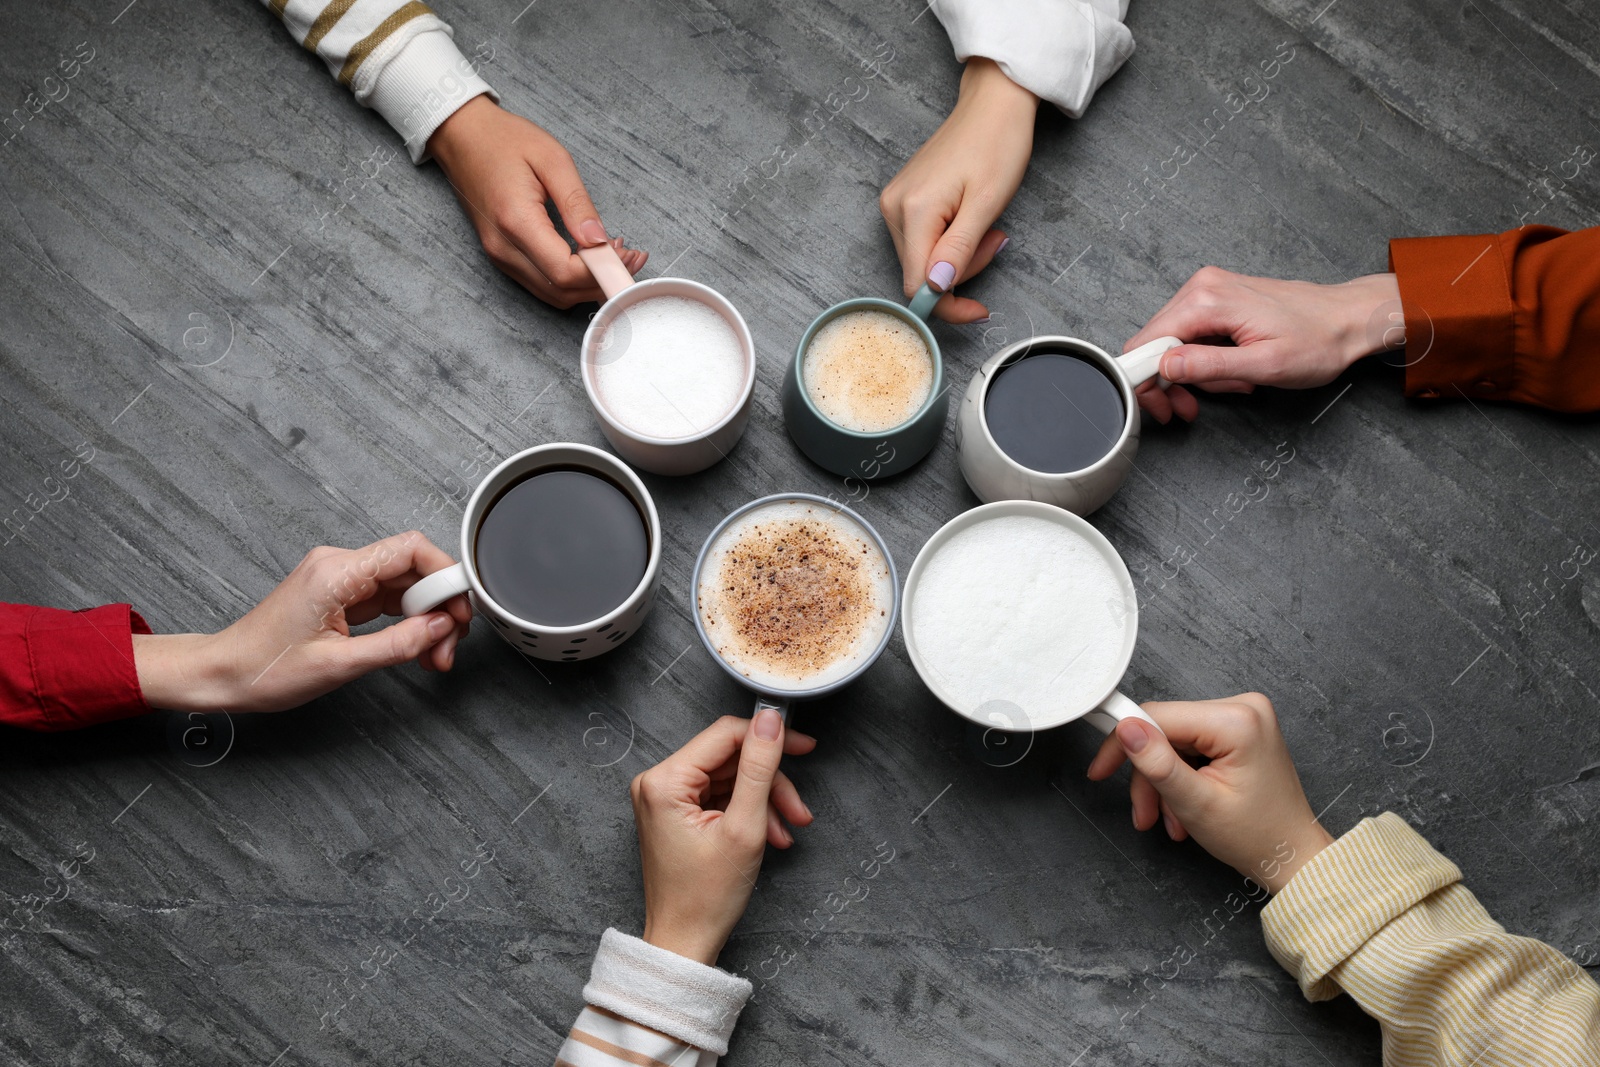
[(669, 366), (1020, 616)]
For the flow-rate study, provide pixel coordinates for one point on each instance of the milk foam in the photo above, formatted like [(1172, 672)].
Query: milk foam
[(868, 370), (678, 371), (1022, 610), (801, 616)]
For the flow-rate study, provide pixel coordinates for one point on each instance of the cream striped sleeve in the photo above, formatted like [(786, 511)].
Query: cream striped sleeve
[(398, 58), (648, 1007), (1382, 916)]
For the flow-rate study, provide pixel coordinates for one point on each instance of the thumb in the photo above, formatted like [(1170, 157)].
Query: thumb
[(393, 645), (758, 767), (1149, 750), (560, 177), (1196, 364), (953, 253)]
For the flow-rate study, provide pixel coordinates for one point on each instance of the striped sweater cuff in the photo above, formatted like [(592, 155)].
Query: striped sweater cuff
[(1348, 892), (419, 84), (666, 992)]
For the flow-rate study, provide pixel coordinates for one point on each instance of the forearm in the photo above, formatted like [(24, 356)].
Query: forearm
[(184, 672), (1381, 916)]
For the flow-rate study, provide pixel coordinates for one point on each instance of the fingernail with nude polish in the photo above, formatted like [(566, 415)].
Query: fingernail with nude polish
[(768, 725), (1132, 734), (1172, 368), (440, 625), (1171, 824), (592, 233), (980, 322), (942, 276), (1002, 247)]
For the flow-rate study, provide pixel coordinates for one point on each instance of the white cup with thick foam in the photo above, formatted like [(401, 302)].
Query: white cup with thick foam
[(780, 678), (669, 366), (1020, 616)]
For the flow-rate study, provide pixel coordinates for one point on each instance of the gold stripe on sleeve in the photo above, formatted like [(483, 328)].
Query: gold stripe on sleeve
[(364, 47), (277, 6), (616, 1052), (329, 17)]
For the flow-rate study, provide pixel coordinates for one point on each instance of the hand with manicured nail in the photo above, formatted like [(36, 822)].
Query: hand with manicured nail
[(705, 815), (942, 206), (504, 170), (296, 645), (1294, 335), (1245, 806)]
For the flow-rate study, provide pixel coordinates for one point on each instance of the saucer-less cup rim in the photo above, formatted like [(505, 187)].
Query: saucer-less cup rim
[(905, 313), (440, 586), (622, 292), (640, 291), (1107, 705), (1127, 372), (781, 697)]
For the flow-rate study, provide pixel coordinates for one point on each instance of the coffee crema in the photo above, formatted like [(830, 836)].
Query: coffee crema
[(795, 596), (867, 371), (1022, 614), (668, 367)]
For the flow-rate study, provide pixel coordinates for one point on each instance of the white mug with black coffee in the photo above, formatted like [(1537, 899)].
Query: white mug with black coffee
[(1054, 419), (560, 551), (795, 597)]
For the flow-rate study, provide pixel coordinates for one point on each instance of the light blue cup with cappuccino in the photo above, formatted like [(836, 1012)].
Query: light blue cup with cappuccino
[(867, 454)]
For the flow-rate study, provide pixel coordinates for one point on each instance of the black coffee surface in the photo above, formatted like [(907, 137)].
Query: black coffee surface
[(1053, 412), (562, 547)]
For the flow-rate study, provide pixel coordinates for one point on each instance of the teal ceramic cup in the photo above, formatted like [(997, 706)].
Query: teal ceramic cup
[(870, 454)]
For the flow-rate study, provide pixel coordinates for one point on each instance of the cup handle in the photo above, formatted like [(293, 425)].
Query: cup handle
[(922, 304), (780, 705), (434, 590), (1144, 362), (606, 266), (1113, 709)]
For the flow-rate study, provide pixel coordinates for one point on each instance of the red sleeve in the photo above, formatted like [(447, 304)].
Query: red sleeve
[(1508, 316), (60, 670)]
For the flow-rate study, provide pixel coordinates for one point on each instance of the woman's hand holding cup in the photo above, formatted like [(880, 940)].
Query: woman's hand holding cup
[(296, 644), (1245, 806), (705, 815)]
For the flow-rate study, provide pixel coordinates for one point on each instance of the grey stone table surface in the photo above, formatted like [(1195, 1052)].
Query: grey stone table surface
[(267, 337)]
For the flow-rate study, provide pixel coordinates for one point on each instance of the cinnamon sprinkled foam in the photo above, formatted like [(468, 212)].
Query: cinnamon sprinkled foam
[(795, 596)]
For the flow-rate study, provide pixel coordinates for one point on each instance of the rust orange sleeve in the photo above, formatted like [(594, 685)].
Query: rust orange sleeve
[(1508, 316)]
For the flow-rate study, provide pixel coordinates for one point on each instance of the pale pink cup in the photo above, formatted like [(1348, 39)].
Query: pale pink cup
[(661, 455)]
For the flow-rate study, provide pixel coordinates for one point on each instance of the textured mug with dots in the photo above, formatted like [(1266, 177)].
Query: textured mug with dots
[(560, 643)]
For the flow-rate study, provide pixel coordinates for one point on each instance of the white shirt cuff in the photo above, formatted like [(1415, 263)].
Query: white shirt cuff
[(418, 83), (1059, 50), (667, 992)]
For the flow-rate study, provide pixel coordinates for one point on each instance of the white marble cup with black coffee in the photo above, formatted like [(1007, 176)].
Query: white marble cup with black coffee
[(1054, 419), (795, 596), (560, 552)]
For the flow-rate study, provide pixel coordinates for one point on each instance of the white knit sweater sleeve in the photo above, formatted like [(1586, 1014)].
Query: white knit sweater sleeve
[(1060, 50), (398, 58), (644, 1001)]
